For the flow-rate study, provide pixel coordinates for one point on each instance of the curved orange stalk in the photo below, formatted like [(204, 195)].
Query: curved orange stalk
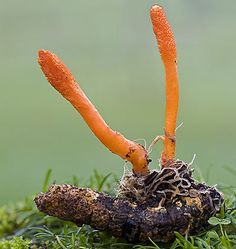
[(167, 48), (63, 81)]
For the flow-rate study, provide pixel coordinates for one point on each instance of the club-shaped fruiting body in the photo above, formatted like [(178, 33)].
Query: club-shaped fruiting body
[(64, 82)]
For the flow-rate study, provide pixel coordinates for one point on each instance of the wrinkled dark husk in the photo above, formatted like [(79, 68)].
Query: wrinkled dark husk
[(137, 219)]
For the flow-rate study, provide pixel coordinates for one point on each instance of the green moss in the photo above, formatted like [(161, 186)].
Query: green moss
[(15, 243), (8, 221)]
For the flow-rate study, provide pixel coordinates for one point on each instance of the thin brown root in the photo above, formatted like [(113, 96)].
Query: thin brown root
[(155, 140), (174, 181), (179, 126), (192, 161)]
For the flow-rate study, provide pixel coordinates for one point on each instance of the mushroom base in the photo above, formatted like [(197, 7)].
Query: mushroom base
[(152, 206)]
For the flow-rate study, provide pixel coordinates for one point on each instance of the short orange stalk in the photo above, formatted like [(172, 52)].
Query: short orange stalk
[(167, 48), (63, 81)]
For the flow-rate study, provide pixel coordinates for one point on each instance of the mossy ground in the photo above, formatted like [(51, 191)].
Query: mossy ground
[(22, 226)]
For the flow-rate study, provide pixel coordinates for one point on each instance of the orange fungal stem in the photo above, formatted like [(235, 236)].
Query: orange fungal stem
[(167, 48), (59, 76)]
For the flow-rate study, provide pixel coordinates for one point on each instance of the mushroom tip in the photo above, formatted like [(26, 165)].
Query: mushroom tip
[(43, 54), (156, 8)]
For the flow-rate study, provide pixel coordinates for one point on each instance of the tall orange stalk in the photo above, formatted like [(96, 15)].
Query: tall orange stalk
[(167, 48), (63, 81)]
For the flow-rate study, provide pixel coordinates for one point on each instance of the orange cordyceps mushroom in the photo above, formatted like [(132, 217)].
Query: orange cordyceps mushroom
[(149, 204), (167, 48), (63, 81)]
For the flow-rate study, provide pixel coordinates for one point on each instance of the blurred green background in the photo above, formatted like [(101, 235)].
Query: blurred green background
[(109, 46)]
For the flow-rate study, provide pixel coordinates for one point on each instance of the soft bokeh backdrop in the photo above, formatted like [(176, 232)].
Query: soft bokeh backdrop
[(110, 48)]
